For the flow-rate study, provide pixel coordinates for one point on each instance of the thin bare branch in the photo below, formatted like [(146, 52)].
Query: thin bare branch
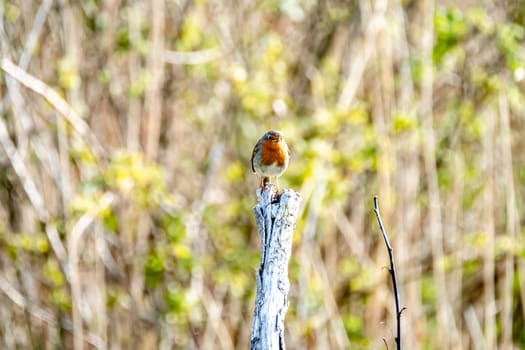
[(56, 100), (153, 104), (193, 57), (18, 299), (392, 271)]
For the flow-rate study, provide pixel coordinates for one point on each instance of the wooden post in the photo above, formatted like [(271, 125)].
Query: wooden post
[(275, 220)]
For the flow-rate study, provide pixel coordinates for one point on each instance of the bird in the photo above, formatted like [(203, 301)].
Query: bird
[(270, 157)]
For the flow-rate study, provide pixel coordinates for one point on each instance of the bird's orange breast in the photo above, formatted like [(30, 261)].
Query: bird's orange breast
[(274, 153)]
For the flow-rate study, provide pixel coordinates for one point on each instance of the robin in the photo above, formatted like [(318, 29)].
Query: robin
[(270, 157)]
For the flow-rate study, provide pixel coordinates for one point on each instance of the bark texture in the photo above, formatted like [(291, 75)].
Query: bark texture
[(276, 218)]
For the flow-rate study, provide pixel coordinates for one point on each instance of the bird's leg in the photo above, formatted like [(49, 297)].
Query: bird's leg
[(277, 183), (264, 181)]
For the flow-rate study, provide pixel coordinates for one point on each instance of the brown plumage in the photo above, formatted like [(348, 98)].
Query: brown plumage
[(270, 157)]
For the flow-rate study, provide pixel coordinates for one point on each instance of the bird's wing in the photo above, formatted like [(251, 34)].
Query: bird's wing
[(255, 149)]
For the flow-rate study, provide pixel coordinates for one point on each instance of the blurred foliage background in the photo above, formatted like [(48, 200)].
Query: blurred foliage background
[(126, 130)]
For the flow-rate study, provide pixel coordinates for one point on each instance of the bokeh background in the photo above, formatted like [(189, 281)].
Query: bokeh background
[(126, 131)]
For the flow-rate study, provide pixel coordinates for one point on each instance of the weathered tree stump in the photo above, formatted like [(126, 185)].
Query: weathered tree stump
[(276, 218)]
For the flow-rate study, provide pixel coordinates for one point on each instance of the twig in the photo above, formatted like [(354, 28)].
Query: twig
[(351, 83), (56, 100), (29, 46), (74, 250), (34, 34), (153, 97), (193, 57), (386, 343), (392, 271), (44, 315), (33, 194)]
